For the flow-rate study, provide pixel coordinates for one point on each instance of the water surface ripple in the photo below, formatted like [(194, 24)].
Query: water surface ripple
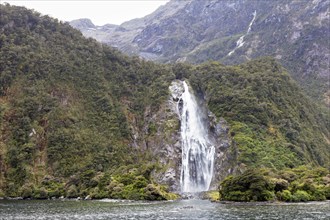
[(184, 209)]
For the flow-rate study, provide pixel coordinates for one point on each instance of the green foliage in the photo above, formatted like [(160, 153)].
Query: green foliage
[(250, 186), (300, 184), (272, 122), (134, 183), (26, 191), (40, 193), (213, 196), (72, 192), (68, 105), (301, 196), (53, 186), (284, 195)]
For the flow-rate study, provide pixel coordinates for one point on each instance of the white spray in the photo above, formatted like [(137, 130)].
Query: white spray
[(197, 151)]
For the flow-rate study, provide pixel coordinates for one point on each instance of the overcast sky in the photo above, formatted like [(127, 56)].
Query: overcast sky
[(100, 12)]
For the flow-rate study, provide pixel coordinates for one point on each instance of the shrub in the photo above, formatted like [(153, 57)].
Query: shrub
[(72, 192), (295, 185), (117, 190), (1, 193), (153, 193), (318, 195), (40, 193), (285, 195), (301, 196), (249, 186), (53, 186), (280, 184), (326, 191), (27, 191), (213, 196), (96, 193), (131, 193)]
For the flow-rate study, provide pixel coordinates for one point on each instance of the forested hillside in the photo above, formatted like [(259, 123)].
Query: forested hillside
[(67, 103), (79, 118), (272, 121)]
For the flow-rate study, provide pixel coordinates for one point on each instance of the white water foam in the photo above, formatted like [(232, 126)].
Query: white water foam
[(197, 151)]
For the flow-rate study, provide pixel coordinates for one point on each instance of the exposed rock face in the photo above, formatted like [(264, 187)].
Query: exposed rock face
[(83, 23), (226, 151), (295, 32), (162, 137)]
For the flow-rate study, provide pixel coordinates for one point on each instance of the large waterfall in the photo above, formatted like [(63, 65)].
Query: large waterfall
[(197, 151)]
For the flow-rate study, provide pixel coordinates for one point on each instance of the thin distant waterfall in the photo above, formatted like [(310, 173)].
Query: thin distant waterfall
[(197, 151), (240, 41)]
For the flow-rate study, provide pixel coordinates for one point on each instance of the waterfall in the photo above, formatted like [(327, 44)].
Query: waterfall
[(240, 41), (197, 151)]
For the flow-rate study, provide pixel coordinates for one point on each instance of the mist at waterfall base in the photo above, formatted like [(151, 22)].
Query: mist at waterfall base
[(197, 150)]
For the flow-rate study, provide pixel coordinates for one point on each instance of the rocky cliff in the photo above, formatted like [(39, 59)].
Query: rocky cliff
[(164, 139)]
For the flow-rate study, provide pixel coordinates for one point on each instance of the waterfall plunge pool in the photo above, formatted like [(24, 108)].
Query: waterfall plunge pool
[(181, 209)]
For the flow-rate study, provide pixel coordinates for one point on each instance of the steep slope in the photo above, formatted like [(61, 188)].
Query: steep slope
[(69, 109), (270, 125), (294, 32), (79, 118)]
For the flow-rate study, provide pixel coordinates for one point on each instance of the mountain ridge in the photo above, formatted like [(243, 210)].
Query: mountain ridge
[(294, 32)]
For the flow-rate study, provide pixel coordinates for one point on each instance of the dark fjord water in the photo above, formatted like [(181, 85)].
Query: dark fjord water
[(185, 209)]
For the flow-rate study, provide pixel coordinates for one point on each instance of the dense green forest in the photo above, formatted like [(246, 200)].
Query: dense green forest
[(66, 106), (300, 184), (70, 107), (272, 121)]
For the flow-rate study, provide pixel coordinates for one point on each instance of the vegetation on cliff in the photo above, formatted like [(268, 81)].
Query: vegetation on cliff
[(272, 122), (68, 109), (73, 113), (299, 184)]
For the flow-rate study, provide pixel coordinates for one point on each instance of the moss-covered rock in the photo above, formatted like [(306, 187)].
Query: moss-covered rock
[(213, 196), (154, 192)]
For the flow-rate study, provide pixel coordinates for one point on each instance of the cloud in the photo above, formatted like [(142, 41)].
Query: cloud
[(100, 12)]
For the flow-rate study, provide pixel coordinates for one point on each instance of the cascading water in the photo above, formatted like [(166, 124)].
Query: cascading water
[(240, 41), (197, 151)]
